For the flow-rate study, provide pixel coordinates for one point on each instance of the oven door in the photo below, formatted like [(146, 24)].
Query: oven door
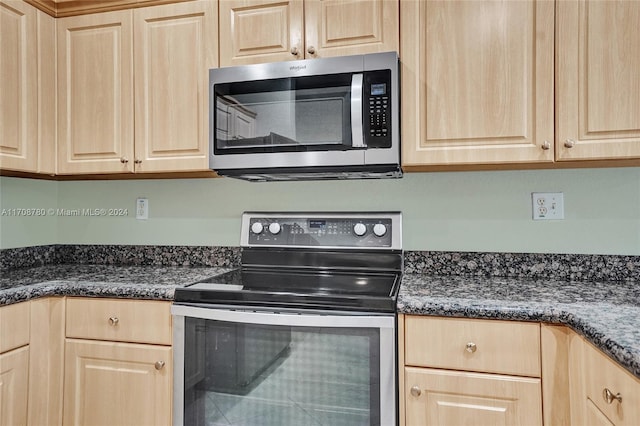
[(287, 368)]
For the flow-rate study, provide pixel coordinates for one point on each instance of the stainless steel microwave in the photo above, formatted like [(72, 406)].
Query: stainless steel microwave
[(329, 118)]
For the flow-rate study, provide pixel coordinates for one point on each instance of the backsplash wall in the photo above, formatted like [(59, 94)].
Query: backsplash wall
[(449, 211)]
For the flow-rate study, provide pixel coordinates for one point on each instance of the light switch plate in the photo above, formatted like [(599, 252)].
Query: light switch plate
[(547, 205), (142, 208)]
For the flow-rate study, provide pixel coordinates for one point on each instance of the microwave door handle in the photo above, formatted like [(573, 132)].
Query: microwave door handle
[(357, 140)]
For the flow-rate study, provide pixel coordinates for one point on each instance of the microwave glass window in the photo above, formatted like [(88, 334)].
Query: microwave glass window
[(293, 114)]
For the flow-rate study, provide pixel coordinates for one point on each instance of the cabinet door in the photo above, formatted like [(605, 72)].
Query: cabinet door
[(350, 27), (95, 93), (595, 417), (18, 86), (441, 398), (257, 31), (14, 380), (175, 45), (601, 374), (598, 78), (477, 82), (116, 384)]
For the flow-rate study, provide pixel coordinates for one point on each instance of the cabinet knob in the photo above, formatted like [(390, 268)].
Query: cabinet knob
[(124, 160), (294, 51), (159, 365), (609, 397), (113, 321), (569, 143), (471, 347), (415, 391), (546, 145), (137, 161), (311, 50)]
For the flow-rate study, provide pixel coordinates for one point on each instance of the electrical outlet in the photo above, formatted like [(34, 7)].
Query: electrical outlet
[(142, 208), (547, 205)]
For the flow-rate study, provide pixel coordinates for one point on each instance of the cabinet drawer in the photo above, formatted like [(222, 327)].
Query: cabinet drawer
[(603, 373), (505, 347), (14, 326), (119, 320)]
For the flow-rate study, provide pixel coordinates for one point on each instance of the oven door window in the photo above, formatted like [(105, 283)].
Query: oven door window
[(282, 115), (252, 374)]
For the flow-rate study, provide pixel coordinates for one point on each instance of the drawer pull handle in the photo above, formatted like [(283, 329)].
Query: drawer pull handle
[(610, 397), (471, 347), (114, 321), (569, 143), (546, 145), (415, 391), (159, 365)]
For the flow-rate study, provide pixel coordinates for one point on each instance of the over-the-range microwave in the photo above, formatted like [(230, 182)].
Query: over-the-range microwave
[(328, 118)]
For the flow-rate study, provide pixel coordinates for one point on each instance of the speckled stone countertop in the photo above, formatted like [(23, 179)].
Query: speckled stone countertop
[(596, 295), (607, 313), (134, 282)]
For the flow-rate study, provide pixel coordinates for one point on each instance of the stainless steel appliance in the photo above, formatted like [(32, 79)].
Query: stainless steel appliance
[(312, 119), (304, 333)]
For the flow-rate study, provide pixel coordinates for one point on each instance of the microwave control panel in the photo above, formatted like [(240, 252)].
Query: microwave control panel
[(377, 107)]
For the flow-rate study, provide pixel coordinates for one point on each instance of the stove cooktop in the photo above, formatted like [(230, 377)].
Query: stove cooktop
[(353, 291), (323, 261)]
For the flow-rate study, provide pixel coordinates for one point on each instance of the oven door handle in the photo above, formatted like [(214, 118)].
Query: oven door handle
[(357, 140), (285, 318)]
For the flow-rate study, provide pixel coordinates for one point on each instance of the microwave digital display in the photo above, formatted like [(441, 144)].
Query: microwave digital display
[(378, 89)]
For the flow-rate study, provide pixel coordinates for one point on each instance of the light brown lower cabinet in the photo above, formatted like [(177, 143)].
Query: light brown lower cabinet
[(14, 363), (442, 397), (469, 372), (602, 393), (14, 382), (112, 383), (118, 362)]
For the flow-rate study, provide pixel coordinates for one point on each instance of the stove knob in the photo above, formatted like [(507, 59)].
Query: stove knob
[(359, 229), (274, 228), (257, 228), (379, 229)]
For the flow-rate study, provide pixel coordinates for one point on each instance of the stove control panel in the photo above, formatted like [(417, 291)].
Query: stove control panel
[(329, 230)]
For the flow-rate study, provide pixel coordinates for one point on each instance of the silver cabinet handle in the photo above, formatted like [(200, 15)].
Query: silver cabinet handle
[(311, 50), (159, 365), (569, 143), (124, 160), (294, 51), (415, 391), (609, 397), (471, 347), (546, 145), (114, 321), (137, 161)]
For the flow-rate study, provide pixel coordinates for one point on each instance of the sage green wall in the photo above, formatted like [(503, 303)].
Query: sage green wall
[(22, 231), (461, 211)]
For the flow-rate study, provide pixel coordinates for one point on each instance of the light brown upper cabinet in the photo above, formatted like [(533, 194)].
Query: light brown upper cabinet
[(98, 66), (477, 82), (598, 80), (27, 106), (257, 31), (174, 48)]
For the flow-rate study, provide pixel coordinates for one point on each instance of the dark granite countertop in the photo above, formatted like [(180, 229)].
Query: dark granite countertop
[(607, 313), (134, 282)]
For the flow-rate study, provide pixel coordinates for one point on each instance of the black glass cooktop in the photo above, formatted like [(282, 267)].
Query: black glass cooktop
[(332, 290)]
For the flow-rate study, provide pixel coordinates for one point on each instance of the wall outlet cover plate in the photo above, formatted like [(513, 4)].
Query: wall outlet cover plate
[(547, 205)]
